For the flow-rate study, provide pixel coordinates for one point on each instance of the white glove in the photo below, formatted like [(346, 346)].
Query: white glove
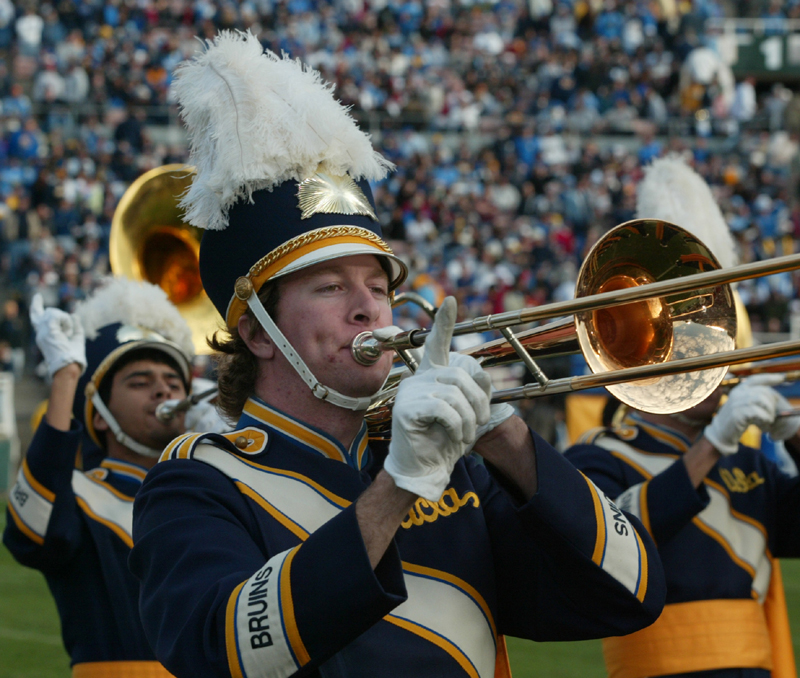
[(59, 336), (782, 428), (751, 402), (435, 415), (498, 413)]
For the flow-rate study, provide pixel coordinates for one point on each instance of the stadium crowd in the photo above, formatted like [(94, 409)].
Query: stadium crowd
[(519, 130)]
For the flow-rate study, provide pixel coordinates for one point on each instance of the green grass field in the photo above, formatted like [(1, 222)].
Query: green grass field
[(30, 640)]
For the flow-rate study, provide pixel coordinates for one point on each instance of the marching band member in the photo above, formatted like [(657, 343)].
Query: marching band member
[(292, 546), (719, 511), (122, 353)]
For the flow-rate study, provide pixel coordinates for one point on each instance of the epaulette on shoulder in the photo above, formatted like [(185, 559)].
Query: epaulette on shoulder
[(622, 431), (588, 437), (247, 441)]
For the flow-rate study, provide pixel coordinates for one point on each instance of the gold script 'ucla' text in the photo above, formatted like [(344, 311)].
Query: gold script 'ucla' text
[(424, 511)]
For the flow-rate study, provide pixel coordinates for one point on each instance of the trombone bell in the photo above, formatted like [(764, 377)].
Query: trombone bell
[(639, 333), (658, 329)]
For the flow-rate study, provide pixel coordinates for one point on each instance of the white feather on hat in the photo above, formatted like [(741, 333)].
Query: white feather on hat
[(256, 120), (141, 304), (674, 192)]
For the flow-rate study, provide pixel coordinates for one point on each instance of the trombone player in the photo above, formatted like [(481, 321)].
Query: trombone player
[(293, 545), (719, 511), (111, 363)]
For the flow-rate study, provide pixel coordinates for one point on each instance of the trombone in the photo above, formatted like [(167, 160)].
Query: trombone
[(789, 369), (653, 315)]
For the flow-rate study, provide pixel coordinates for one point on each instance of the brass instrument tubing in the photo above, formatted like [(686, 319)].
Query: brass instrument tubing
[(414, 298), (408, 359), (167, 413), (703, 362), (530, 363), (789, 376)]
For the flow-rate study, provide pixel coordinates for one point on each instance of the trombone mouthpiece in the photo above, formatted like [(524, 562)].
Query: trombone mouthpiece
[(366, 349), (166, 411)]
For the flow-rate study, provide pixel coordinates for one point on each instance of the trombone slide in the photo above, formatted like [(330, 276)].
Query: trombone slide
[(697, 363)]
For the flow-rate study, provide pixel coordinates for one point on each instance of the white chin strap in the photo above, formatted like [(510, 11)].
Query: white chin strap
[(322, 392), (122, 437)]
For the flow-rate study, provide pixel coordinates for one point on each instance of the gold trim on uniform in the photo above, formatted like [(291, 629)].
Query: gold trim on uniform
[(314, 236), (121, 669)]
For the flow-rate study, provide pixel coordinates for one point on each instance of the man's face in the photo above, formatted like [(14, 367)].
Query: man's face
[(322, 308), (136, 390)]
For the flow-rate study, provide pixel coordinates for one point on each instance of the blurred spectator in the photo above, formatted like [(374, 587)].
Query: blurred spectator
[(774, 19), (12, 339), (563, 27), (6, 23), (76, 85), (650, 149), (609, 23), (29, 31), (16, 104), (49, 85), (704, 78), (131, 130), (27, 141), (775, 106), (743, 107)]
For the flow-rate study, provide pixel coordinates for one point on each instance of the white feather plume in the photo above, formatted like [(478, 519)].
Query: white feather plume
[(256, 120), (130, 302), (674, 192)]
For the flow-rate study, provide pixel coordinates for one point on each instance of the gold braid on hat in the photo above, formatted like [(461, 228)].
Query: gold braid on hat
[(313, 236)]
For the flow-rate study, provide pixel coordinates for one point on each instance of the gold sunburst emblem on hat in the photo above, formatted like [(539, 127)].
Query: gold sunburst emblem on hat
[(330, 194)]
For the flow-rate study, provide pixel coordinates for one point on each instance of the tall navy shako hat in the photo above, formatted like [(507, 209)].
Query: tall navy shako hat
[(124, 316), (282, 171), (300, 241)]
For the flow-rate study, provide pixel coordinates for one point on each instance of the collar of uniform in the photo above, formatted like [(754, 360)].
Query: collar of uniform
[(661, 433), (125, 468), (258, 413)]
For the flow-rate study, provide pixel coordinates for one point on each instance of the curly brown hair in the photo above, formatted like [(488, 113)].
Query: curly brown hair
[(237, 367)]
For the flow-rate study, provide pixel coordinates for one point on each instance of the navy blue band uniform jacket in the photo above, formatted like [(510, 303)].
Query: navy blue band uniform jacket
[(716, 544), (252, 563), (75, 527)]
